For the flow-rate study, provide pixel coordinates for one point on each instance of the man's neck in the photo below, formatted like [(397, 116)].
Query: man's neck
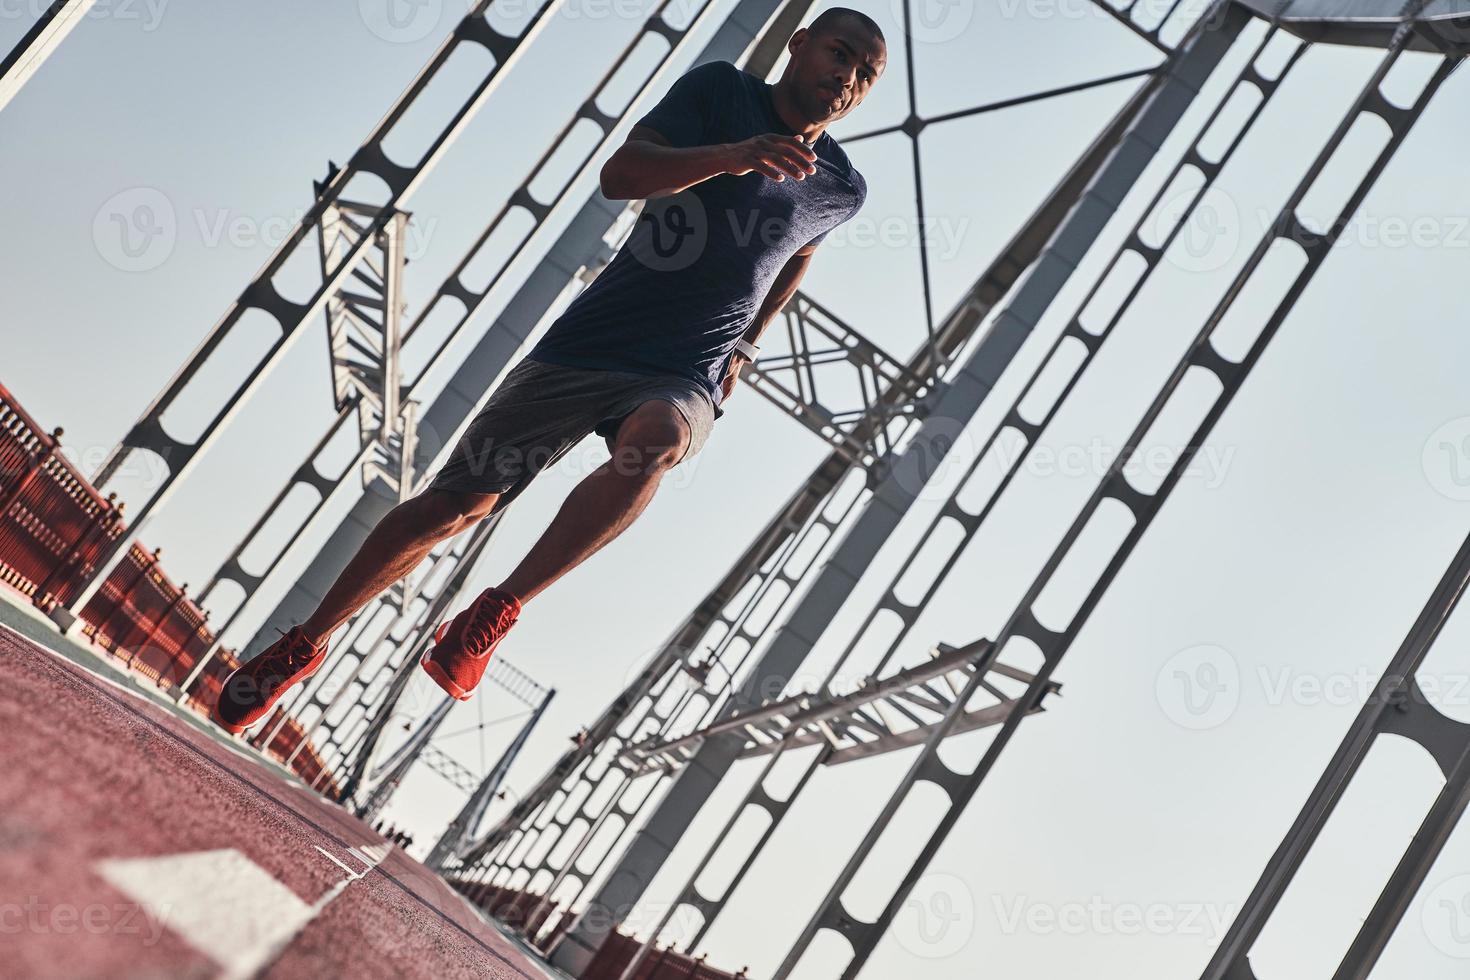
[(785, 107)]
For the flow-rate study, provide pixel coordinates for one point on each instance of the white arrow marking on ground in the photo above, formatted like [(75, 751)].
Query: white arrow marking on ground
[(220, 902)]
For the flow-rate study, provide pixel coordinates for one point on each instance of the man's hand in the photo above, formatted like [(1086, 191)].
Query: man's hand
[(772, 154), (732, 374)]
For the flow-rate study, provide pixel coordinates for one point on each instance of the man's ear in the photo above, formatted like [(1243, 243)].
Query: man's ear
[(798, 40)]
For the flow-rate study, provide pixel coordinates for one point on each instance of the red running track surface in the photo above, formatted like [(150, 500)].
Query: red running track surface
[(132, 844)]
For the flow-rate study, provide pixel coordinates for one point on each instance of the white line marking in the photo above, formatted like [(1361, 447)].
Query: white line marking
[(221, 903), (225, 905)]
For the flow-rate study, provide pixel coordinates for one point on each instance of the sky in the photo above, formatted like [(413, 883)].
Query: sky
[(1123, 827)]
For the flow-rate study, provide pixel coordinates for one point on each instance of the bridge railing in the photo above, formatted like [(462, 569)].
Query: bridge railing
[(53, 527), (53, 524)]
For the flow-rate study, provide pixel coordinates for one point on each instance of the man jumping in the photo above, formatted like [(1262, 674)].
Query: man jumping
[(742, 182)]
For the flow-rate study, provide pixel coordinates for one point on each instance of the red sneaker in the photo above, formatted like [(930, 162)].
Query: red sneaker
[(462, 646), (253, 688)]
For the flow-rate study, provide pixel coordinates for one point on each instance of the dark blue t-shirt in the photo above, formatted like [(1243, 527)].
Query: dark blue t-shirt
[(698, 264)]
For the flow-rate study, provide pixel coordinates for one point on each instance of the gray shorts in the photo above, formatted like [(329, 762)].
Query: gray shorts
[(541, 410)]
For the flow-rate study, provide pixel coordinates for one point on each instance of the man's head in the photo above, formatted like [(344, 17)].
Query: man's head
[(835, 61)]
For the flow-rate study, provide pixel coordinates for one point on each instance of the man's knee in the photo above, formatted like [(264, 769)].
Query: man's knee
[(651, 440), (448, 511)]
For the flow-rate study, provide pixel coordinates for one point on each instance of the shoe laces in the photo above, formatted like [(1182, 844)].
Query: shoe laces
[(489, 618), (289, 657)]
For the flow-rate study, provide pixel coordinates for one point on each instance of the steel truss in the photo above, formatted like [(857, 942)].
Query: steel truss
[(901, 711), (360, 771), (1397, 706), (386, 777), (562, 811), (461, 830), (889, 394), (45, 36), (1025, 627), (364, 338), (880, 716)]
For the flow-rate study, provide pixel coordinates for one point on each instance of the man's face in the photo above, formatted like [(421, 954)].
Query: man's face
[(835, 69)]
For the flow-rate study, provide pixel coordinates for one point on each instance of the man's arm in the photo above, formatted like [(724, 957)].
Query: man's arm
[(647, 166)]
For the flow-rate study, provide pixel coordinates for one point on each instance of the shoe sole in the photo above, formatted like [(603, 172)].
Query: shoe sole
[(237, 729), (437, 674)]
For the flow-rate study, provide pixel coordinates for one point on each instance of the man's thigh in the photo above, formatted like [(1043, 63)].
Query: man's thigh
[(541, 410), (662, 402), (536, 415)]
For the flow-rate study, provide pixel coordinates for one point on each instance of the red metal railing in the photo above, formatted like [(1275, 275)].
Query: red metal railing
[(618, 950), (511, 906), (145, 620), (54, 526)]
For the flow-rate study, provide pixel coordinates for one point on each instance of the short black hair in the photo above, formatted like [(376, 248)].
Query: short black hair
[(832, 16)]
